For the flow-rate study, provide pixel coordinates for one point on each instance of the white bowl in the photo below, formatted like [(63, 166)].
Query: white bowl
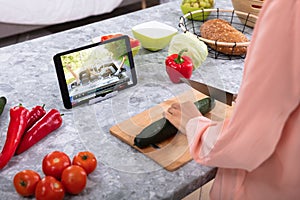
[(154, 35)]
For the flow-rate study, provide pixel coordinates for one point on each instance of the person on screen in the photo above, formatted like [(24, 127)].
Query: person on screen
[(121, 65), (256, 150), (69, 67)]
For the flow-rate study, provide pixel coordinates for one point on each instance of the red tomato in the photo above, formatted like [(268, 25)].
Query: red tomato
[(86, 160), (49, 188), (103, 38), (54, 163), (107, 37), (74, 179), (133, 42), (25, 182)]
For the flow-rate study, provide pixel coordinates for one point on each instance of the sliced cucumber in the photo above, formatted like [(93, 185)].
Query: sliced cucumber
[(162, 129), (2, 104)]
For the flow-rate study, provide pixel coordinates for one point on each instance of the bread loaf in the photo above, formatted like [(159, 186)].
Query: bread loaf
[(221, 31)]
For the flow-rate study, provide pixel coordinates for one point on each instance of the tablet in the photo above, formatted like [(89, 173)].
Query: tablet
[(95, 72)]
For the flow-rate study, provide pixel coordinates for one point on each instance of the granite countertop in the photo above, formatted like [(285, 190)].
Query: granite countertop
[(28, 77)]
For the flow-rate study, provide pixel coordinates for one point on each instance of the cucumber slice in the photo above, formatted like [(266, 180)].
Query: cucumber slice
[(2, 104)]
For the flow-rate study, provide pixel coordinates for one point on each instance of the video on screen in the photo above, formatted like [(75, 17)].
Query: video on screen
[(96, 71)]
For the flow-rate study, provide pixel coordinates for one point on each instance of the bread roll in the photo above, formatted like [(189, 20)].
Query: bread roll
[(221, 31)]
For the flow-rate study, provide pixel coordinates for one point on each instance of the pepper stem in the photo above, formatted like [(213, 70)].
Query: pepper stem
[(179, 58)]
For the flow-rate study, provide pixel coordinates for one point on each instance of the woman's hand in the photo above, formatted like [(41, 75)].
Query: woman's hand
[(180, 114)]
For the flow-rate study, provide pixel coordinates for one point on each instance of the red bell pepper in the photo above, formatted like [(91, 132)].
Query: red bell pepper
[(16, 128), (35, 114), (178, 66), (47, 124)]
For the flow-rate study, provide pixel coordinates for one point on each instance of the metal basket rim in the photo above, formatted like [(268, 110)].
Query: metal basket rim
[(213, 42)]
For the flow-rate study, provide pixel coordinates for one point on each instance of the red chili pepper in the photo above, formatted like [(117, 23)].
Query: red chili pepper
[(16, 128), (47, 124), (178, 66), (35, 114)]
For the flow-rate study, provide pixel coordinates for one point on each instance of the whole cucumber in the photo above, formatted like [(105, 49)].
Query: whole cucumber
[(156, 132), (2, 104), (162, 129)]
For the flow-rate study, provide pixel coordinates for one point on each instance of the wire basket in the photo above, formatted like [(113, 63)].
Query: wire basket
[(237, 19)]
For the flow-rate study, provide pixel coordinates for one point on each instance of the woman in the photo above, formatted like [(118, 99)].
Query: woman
[(257, 149)]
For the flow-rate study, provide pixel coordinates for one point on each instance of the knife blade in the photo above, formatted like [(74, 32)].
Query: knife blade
[(218, 94)]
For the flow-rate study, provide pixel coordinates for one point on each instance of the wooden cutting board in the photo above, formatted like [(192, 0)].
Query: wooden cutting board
[(174, 152)]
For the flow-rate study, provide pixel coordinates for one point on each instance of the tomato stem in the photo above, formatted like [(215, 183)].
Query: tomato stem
[(84, 157), (23, 183)]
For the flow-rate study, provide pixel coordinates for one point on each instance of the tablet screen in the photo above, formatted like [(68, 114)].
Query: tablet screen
[(95, 70)]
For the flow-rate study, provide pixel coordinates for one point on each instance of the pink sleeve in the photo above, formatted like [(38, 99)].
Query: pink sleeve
[(197, 128), (269, 93)]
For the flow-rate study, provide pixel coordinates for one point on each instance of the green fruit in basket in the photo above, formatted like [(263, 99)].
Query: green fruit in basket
[(203, 4), (197, 50), (196, 5), (188, 6)]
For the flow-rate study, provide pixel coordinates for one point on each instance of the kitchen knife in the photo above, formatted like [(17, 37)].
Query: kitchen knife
[(218, 94)]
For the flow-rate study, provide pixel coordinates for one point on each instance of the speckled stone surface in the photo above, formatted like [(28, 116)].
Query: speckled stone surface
[(27, 76)]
